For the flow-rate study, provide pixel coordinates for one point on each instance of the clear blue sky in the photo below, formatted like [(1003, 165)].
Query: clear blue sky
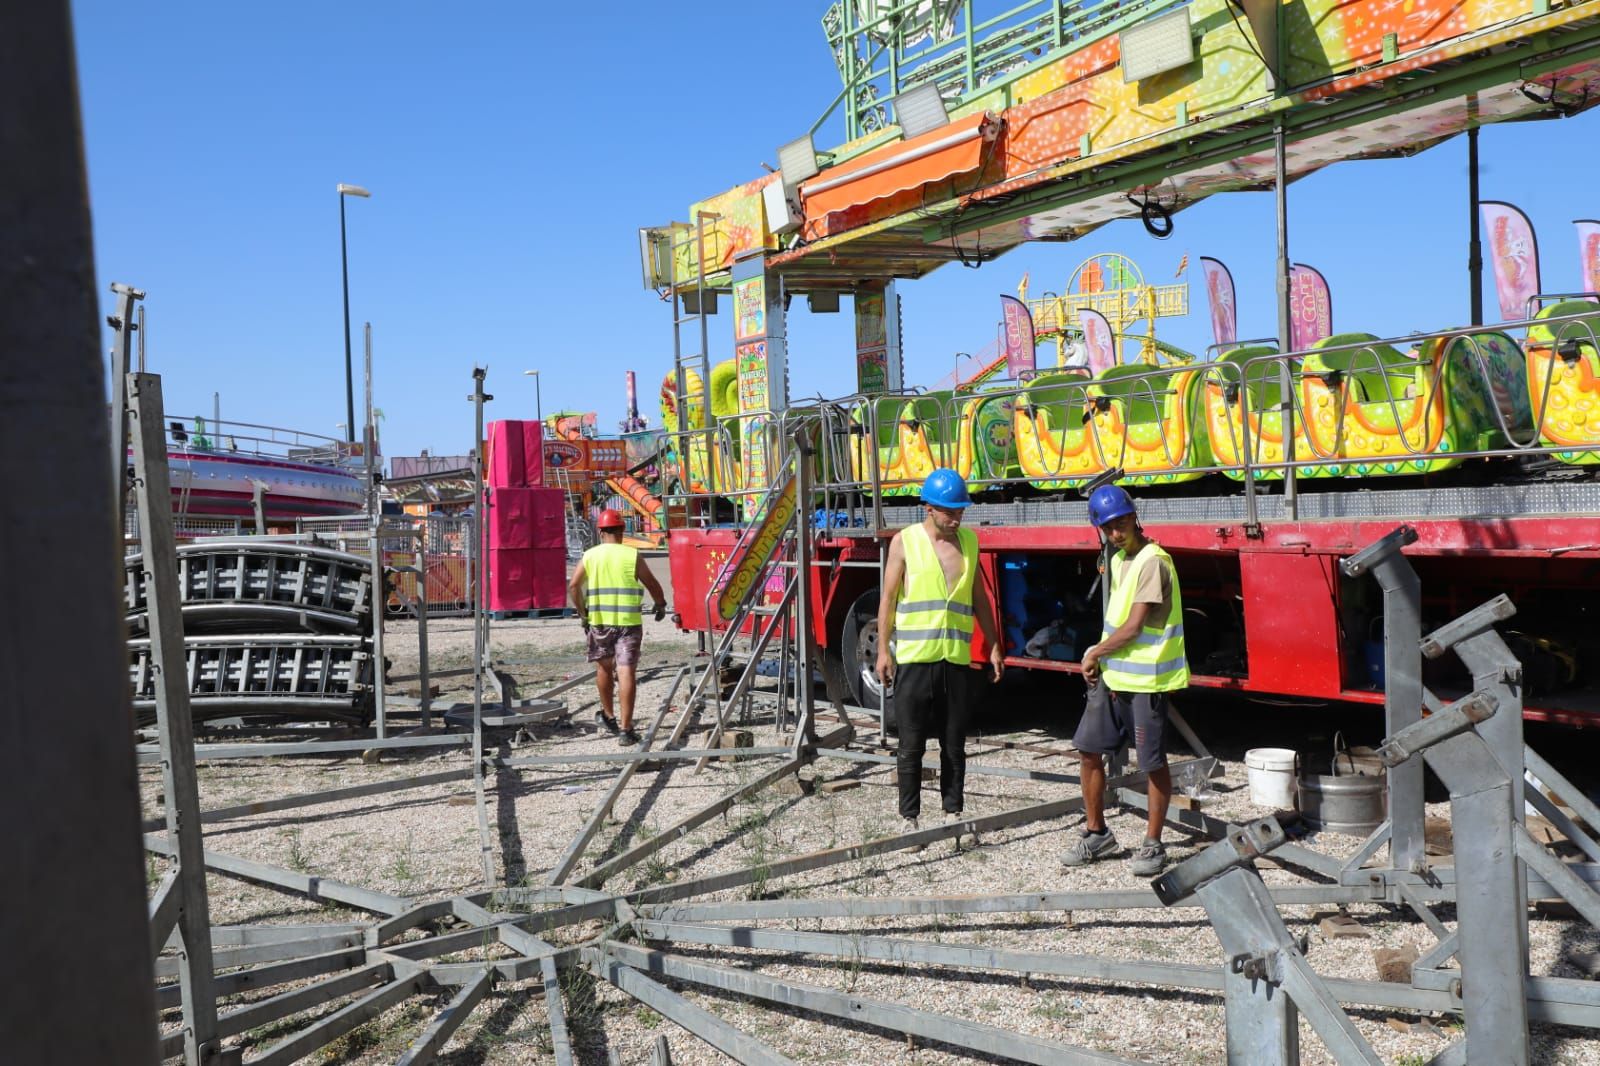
[(513, 155)]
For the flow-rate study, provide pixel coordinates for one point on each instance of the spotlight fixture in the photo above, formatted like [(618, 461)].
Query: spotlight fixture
[(920, 110)]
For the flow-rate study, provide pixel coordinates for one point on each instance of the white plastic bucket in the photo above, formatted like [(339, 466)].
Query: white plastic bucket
[(1271, 773)]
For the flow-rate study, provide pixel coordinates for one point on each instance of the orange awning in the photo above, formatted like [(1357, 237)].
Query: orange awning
[(905, 166)]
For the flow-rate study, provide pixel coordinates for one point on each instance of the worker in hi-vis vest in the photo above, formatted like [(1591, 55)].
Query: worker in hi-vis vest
[(1132, 673), (932, 594), (607, 594)]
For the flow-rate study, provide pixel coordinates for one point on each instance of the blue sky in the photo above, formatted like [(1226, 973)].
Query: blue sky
[(512, 156)]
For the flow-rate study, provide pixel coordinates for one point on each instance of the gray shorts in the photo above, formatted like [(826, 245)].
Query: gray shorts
[(1112, 720), (615, 642)]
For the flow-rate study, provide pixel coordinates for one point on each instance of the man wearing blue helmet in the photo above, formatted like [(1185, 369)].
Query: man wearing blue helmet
[(1132, 673), (932, 595)]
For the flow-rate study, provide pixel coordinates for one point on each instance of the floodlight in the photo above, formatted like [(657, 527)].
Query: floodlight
[(655, 256), (920, 109), (823, 301), (1157, 45), (353, 190), (783, 213), (798, 161)]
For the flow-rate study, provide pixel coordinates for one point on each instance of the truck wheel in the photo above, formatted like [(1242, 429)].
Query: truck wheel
[(858, 647)]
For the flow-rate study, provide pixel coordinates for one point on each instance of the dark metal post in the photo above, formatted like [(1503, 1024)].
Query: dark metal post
[(479, 398), (1474, 231), (805, 706), (380, 598), (1286, 374), (349, 372), (176, 727), (75, 921), (1402, 698), (121, 360)]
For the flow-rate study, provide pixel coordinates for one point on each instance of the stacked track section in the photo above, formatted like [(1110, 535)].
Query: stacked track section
[(270, 628)]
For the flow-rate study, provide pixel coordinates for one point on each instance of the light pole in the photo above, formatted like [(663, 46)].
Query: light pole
[(959, 356), (344, 263), (538, 403)]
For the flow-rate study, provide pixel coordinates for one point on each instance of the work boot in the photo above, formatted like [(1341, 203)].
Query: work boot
[(629, 739), (1149, 859), (606, 722), (909, 825), (967, 838), (1089, 847)]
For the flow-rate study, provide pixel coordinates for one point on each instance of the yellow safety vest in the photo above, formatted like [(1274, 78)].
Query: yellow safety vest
[(932, 623), (611, 594), (1155, 661)]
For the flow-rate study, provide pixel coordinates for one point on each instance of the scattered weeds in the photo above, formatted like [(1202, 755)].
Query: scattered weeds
[(297, 858), (404, 869)]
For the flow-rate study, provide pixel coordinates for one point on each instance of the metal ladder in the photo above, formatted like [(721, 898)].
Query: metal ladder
[(685, 326), (777, 618)]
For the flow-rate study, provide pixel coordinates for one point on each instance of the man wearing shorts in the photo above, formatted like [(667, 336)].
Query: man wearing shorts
[(605, 590), (1132, 673)]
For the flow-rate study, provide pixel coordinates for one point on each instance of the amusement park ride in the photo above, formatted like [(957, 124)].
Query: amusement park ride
[(1260, 465)]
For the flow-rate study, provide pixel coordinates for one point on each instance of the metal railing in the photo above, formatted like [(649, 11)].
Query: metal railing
[(897, 46), (1220, 405)]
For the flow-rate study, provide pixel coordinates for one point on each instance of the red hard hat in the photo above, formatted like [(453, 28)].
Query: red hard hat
[(609, 520)]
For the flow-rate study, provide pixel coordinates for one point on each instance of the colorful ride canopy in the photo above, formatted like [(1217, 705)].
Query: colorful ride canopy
[(1126, 104)]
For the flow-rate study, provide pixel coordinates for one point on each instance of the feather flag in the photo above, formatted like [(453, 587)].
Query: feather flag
[(1514, 253), (1099, 344), (1219, 294), (1589, 253), (1310, 307), (1018, 336), (1183, 264)]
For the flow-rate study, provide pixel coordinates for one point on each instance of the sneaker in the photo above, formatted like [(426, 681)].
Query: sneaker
[(1149, 859), (1089, 847), (606, 722), (909, 825), (629, 739), (966, 839)]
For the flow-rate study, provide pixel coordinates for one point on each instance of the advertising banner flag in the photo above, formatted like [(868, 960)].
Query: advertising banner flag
[(1018, 326), (1514, 253), (1219, 294), (1099, 344), (1310, 307), (1589, 253)]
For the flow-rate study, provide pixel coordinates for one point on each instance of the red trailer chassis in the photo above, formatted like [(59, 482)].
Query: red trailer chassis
[(1301, 628)]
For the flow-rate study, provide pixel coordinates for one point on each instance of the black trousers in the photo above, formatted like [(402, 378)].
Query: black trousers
[(933, 700)]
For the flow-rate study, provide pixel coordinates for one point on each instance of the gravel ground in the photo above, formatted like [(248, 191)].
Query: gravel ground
[(423, 844)]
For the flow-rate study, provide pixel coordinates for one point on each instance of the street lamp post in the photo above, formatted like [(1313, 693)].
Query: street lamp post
[(956, 384), (538, 403), (344, 263)]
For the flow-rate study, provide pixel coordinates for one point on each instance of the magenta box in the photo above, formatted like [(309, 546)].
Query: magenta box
[(526, 518), (507, 465), (526, 579)]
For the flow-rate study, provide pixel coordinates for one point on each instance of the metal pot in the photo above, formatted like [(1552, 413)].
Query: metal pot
[(1354, 802)]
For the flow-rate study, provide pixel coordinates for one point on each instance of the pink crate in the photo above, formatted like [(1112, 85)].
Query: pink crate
[(526, 518), (507, 463), (526, 579), (532, 454)]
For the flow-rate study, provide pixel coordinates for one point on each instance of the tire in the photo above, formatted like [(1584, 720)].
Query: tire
[(858, 651)]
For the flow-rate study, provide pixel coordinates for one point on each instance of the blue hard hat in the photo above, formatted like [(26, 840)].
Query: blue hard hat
[(1109, 502), (945, 488)]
